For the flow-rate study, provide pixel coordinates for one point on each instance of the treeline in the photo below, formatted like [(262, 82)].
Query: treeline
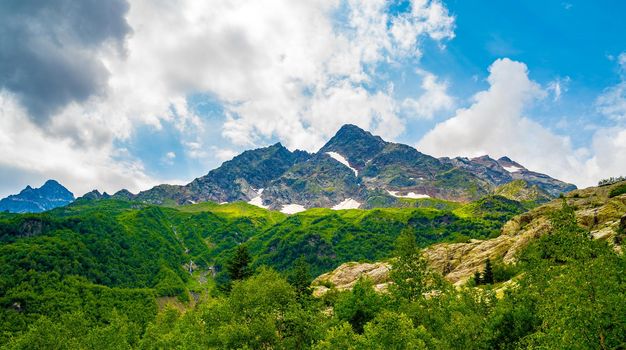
[(611, 180), (569, 294)]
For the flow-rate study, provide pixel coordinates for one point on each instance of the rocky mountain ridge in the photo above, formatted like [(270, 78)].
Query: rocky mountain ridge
[(354, 169), (34, 200)]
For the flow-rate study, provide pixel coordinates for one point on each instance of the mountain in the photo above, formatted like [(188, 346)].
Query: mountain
[(354, 169), (241, 178), (35, 200)]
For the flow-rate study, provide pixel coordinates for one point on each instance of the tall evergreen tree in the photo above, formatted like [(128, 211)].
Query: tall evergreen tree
[(477, 278), (238, 267), (409, 270), (488, 274), (300, 278)]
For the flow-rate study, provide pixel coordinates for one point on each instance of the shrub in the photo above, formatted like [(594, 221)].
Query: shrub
[(616, 191)]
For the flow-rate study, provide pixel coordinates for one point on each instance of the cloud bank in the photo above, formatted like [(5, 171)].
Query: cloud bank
[(83, 76), (495, 124)]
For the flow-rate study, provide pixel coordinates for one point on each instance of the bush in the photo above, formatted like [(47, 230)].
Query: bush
[(616, 191)]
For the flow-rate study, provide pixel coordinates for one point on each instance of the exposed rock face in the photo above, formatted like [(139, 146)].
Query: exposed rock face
[(345, 276), (604, 217), (354, 164), (35, 200)]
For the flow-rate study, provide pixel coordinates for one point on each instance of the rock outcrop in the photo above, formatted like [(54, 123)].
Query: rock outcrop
[(604, 217)]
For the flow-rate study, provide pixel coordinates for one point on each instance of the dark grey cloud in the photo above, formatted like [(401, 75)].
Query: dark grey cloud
[(49, 49)]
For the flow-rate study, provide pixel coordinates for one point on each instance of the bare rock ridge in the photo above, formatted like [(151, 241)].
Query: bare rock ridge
[(35, 200), (604, 216), (353, 167)]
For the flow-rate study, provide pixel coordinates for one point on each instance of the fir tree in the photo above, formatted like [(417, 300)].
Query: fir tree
[(409, 270), (238, 267), (477, 278), (488, 274), (300, 278)]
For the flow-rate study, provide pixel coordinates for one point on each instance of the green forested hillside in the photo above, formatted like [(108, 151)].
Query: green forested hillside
[(97, 256), (568, 294), (97, 274)]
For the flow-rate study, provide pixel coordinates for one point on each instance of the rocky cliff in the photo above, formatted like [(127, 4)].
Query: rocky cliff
[(596, 209)]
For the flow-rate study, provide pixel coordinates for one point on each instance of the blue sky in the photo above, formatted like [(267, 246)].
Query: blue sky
[(142, 101)]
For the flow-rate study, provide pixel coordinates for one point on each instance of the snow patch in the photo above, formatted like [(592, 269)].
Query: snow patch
[(258, 191), (347, 204), (512, 168), (292, 208), (341, 159), (258, 201), (222, 203), (412, 195)]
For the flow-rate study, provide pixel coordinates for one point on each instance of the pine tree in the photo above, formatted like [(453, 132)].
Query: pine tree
[(300, 278), (409, 270), (477, 278), (238, 267), (488, 274)]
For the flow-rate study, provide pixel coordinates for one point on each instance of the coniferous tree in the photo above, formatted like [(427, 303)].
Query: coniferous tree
[(477, 278), (300, 278), (238, 267), (488, 274), (409, 270)]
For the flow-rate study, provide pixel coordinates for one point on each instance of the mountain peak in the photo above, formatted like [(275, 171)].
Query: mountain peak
[(354, 144), (33, 200), (52, 184), (351, 131)]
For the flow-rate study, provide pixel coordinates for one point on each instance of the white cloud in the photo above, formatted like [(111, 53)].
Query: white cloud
[(612, 102), (168, 158), (434, 99), (495, 124), (34, 156), (224, 154), (282, 69), (558, 87), (609, 154)]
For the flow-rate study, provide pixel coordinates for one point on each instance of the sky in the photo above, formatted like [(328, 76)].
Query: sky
[(132, 93)]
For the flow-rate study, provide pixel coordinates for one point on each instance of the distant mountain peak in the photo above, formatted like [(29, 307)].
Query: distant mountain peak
[(351, 132), (34, 200), (354, 166), (52, 184), (354, 144)]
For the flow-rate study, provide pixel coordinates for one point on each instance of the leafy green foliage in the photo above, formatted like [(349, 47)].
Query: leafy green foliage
[(239, 265), (618, 190), (90, 276), (409, 271)]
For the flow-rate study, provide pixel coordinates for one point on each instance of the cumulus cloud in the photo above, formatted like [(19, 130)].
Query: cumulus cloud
[(85, 75), (496, 124), (50, 52), (35, 156), (280, 68), (435, 98)]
